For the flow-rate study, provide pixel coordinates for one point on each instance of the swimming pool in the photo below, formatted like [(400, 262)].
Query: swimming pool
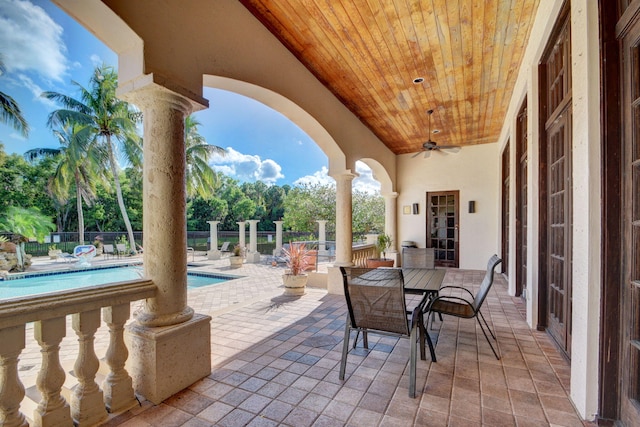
[(41, 283)]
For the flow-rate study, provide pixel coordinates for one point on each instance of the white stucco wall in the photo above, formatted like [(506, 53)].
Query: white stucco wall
[(586, 230), (475, 173)]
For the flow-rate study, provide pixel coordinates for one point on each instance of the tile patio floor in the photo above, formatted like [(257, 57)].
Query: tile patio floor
[(275, 361)]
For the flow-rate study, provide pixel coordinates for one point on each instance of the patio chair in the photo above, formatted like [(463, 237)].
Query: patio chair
[(121, 249), (225, 247), (468, 308), (108, 251), (376, 302), (418, 258)]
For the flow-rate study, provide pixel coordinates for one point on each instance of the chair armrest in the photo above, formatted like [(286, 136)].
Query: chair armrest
[(415, 317), (457, 287)]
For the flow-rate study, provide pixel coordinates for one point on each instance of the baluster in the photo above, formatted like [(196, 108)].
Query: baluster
[(52, 409), (118, 387), (11, 389), (87, 405)]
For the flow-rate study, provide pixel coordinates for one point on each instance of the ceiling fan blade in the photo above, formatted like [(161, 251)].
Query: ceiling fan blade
[(427, 154), (416, 155)]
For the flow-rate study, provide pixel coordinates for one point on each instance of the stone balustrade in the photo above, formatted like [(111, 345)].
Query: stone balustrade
[(88, 403), (361, 253)]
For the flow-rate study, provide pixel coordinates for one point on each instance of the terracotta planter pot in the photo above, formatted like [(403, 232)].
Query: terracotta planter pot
[(236, 261), (379, 262), (294, 285)]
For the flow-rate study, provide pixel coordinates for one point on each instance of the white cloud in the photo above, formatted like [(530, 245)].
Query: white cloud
[(247, 167), (96, 60), (320, 177), (31, 40), (36, 91), (363, 183)]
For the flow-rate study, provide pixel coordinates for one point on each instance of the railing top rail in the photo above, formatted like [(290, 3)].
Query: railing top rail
[(41, 307)]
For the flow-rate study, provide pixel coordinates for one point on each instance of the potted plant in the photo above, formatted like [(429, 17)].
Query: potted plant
[(236, 259), (383, 242), (54, 252), (295, 278)]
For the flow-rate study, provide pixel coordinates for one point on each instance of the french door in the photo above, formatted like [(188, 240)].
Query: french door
[(556, 183), (630, 295), (506, 179), (442, 227), (521, 201)]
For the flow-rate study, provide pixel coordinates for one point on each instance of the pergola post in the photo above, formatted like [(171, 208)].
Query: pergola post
[(213, 253), (253, 256), (278, 248)]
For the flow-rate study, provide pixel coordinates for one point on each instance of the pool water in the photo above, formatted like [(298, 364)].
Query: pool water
[(52, 282)]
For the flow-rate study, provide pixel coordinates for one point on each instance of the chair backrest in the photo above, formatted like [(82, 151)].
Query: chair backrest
[(418, 258), (224, 247), (486, 282), (107, 249), (122, 248), (375, 298)]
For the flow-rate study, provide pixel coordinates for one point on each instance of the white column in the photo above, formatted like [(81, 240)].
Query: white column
[(168, 359), (253, 256), (278, 248), (241, 234), (390, 224), (344, 234), (322, 236), (213, 253)]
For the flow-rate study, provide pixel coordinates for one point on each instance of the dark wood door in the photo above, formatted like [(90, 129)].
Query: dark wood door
[(506, 179), (556, 183), (521, 201), (630, 295), (442, 227)]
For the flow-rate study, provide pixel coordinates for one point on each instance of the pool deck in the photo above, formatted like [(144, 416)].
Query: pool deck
[(275, 361)]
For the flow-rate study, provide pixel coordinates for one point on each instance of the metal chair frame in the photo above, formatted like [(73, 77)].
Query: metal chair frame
[(468, 308), (378, 306)]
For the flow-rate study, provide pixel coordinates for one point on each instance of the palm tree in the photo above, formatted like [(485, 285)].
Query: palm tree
[(10, 110), (112, 122), (79, 164), (201, 178)]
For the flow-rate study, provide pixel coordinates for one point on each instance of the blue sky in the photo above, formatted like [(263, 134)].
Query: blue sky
[(44, 50)]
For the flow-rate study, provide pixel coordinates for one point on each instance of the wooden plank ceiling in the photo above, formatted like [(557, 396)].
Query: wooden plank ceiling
[(368, 52)]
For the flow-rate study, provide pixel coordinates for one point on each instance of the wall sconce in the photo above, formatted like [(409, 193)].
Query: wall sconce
[(472, 206), (415, 209)]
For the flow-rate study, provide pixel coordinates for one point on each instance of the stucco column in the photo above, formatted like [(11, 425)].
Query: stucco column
[(213, 253), (278, 248), (322, 236), (164, 205), (241, 234), (170, 346), (344, 234), (253, 256)]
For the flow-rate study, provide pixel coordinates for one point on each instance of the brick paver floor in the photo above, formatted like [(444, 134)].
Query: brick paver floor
[(275, 362)]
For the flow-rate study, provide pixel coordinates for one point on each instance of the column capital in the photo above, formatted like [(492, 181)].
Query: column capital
[(147, 90), (253, 221), (213, 223), (344, 176), (322, 221)]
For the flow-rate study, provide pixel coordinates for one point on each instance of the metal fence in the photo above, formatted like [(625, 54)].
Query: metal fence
[(198, 240)]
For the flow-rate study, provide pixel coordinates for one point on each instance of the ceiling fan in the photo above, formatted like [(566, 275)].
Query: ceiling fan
[(429, 146)]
